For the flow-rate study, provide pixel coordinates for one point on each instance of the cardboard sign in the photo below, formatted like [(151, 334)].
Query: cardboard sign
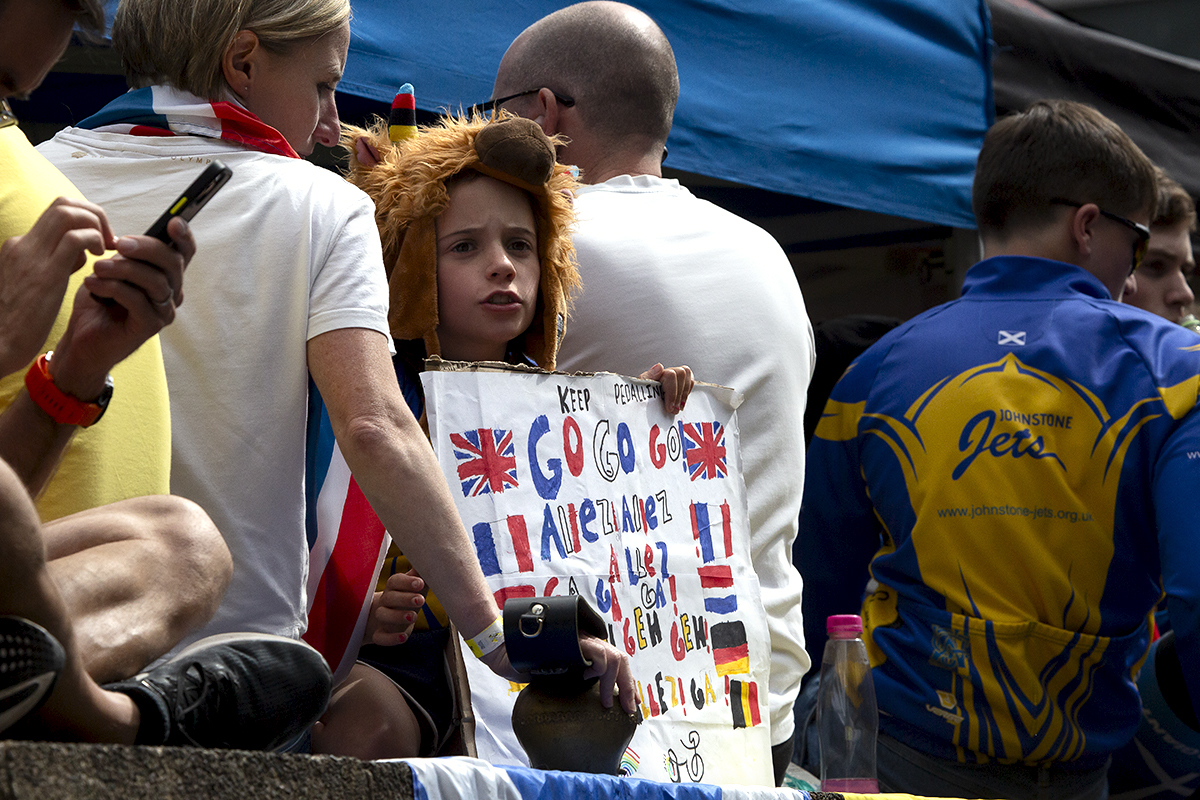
[(584, 485)]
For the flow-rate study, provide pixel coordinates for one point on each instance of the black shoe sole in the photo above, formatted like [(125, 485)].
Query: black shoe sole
[(30, 661)]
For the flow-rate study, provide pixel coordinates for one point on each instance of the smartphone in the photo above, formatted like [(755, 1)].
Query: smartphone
[(188, 204)]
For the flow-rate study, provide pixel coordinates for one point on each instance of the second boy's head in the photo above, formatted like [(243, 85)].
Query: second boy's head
[(1162, 278), (475, 221), (1060, 164)]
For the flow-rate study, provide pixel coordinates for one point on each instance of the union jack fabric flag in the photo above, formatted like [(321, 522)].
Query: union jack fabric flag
[(703, 449), (487, 462), (347, 543)]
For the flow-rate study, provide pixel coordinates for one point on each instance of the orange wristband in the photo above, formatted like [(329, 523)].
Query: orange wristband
[(62, 407)]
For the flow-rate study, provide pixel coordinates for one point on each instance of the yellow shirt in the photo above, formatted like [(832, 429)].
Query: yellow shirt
[(128, 453)]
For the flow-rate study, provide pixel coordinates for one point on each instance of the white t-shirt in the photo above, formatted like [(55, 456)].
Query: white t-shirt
[(672, 278), (286, 251)]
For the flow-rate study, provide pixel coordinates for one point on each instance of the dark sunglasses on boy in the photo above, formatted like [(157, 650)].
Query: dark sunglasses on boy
[(1140, 244)]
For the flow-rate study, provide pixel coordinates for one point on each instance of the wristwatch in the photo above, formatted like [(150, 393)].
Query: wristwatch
[(62, 407)]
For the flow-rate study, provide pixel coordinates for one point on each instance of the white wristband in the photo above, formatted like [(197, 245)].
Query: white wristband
[(489, 639)]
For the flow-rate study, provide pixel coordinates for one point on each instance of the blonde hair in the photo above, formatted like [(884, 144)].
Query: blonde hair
[(89, 14), (182, 42)]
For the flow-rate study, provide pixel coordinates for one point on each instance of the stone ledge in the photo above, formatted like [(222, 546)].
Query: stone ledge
[(49, 771)]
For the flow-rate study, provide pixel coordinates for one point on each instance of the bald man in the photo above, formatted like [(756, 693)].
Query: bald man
[(669, 277)]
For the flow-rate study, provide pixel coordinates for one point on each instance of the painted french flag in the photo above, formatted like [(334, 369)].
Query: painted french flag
[(347, 544)]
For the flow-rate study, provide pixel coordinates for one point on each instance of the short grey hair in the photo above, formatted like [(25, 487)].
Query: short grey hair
[(611, 58)]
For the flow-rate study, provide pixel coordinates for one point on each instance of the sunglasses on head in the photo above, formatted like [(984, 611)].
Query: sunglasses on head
[(488, 107)]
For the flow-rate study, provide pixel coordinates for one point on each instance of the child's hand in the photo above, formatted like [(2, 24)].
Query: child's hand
[(676, 383), (394, 610)]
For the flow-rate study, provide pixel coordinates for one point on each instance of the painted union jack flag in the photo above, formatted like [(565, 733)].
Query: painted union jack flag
[(704, 449), (487, 462)]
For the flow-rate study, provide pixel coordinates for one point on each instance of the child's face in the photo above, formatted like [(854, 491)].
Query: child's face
[(488, 270)]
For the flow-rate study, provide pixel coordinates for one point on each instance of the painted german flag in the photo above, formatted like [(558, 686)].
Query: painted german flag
[(402, 121), (743, 699), (731, 653)]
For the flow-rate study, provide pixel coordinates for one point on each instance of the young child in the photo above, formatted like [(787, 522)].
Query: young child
[(475, 220)]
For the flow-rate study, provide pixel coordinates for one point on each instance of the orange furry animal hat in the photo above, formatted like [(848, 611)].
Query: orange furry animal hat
[(408, 185)]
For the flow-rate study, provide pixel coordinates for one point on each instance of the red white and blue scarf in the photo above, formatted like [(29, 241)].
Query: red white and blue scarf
[(165, 111)]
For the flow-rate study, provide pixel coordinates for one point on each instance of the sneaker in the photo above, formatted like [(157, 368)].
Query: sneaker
[(247, 691), (30, 661)]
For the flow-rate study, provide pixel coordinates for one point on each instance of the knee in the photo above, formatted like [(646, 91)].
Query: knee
[(22, 549), (379, 735), (197, 550), (368, 718)]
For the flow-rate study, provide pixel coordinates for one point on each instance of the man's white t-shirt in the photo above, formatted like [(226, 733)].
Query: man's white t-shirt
[(672, 278)]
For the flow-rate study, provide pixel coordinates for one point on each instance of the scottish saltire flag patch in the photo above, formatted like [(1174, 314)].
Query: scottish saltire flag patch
[(487, 462), (704, 450)]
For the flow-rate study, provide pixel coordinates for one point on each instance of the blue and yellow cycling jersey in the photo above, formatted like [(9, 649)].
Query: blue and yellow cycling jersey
[(1021, 470)]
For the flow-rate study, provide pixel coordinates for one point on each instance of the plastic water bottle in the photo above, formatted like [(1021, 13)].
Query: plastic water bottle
[(847, 718)]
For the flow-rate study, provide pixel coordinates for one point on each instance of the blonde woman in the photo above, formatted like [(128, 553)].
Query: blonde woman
[(288, 283)]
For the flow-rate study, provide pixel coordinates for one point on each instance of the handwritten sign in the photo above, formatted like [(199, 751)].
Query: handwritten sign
[(584, 485)]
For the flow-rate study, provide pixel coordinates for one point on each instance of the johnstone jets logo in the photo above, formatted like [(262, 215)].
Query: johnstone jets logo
[(949, 649), (1014, 338)]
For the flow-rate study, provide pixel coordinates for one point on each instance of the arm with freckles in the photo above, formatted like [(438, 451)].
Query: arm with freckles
[(395, 467)]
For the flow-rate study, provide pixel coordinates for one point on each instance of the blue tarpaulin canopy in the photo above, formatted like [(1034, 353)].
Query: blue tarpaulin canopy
[(878, 105), (872, 104)]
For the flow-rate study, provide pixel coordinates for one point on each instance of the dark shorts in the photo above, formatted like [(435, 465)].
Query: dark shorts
[(420, 668)]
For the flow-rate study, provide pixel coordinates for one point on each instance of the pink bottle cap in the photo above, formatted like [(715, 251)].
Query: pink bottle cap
[(844, 626)]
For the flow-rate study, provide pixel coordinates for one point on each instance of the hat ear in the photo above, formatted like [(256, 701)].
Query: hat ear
[(402, 119), (412, 286), (515, 150), (365, 149)]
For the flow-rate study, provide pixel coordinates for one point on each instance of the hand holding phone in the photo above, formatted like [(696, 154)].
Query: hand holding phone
[(187, 205), (194, 198)]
